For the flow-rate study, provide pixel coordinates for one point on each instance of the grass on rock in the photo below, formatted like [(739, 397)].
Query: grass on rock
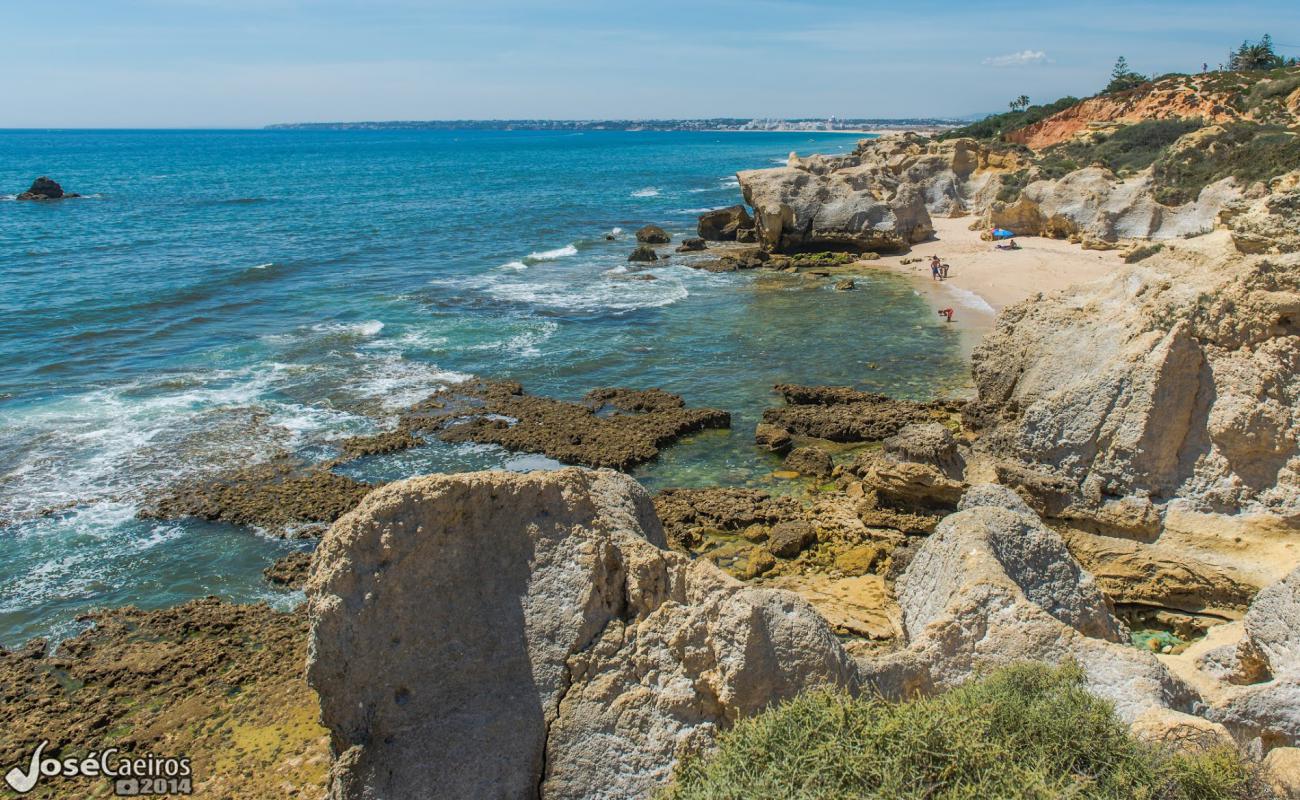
[(1027, 731)]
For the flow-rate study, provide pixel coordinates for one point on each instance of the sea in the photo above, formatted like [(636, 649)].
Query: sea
[(220, 296)]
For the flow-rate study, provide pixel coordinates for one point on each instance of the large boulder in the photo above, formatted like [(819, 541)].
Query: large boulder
[(1270, 224), (504, 635), (1176, 378), (724, 224), (994, 586)]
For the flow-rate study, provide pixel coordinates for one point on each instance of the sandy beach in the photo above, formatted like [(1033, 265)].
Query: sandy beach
[(983, 280)]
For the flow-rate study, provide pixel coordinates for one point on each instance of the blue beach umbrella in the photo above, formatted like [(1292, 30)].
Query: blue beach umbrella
[(1002, 233)]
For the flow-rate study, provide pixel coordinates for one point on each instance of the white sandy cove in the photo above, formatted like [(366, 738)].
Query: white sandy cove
[(983, 280)]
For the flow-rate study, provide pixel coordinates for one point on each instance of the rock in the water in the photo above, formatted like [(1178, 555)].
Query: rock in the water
[(772, 438), (653, 234), (841, 414), (507, 635), (1174, 378), (613, 427), (45, 189), (811, 462), (724, 224), (692, 245), (643, 252), (845, 285), (289, 571)]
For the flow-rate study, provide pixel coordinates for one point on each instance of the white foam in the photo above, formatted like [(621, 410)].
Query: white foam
[(729, 183), (649, 191), (969, 299), (553, 255), (264, 266), (616, 231), (515, 265), (370, 327), (603, 296)]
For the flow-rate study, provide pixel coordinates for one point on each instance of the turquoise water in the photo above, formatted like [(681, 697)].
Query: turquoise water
[(222, 295)]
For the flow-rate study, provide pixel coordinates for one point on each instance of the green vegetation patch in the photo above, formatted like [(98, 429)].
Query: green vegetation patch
[(1027, 731), (999, 125), (1246, 151)]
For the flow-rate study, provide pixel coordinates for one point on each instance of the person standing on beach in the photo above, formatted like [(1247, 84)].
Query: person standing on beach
[(935, 266)]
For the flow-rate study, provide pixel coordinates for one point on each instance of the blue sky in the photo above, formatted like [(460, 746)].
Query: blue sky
[(246, 63)]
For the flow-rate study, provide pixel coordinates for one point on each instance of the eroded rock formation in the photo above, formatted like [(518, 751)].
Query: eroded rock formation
[(1174, 379), (502, 635)]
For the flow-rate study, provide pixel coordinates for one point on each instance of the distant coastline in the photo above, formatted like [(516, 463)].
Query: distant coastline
[(721, 124)]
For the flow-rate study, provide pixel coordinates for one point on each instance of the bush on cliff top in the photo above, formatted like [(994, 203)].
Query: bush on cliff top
[(1028, 731), (999, 125), (1246, 151)]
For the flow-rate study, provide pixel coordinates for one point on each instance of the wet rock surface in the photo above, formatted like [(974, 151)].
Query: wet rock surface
[(725, 224), (44, 188), (643, 253), (809, 461), (289, 571), (652, 234), (283, 497), (218, 682), (617, 428), (842, 414)]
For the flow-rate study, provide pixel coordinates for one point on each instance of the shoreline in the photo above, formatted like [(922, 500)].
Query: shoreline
[(983, 281)]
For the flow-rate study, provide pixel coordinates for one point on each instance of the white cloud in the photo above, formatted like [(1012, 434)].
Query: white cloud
[(1024, 58)]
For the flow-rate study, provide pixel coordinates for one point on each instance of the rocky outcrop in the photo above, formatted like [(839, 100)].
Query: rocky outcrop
[(812, 462), (643, 253), (1093, 205), (725, 224), (844, 414), (1270, 224), (1173, 379), (652, 234), (45, 189), (504, 635), (614, 427), (993, 586), (692, 245)]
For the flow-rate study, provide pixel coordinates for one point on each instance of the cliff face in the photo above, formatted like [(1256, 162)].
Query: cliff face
[(1174, 379), (879, 198), (1213, 98)]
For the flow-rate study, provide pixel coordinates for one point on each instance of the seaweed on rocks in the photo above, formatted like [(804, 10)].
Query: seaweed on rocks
[(283, 497), (616, 428), (842, 414)]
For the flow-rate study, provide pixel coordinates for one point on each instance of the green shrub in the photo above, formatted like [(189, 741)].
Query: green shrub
[(1027, 731), (1246, 151), (999, 125), (1130, 149)]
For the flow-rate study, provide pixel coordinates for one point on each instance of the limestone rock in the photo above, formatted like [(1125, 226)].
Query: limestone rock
[(1273, 625), (811, 462), (507, 635), (1267, 225), (927, 443), (994, 586), (771, 437), (724, 224), (1281, 768), (692, 245), (845, 285), (653, 234), (1093, 205), (1175, 378), (1169, 728)]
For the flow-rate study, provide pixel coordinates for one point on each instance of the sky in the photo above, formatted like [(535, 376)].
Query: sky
[(248, 63)]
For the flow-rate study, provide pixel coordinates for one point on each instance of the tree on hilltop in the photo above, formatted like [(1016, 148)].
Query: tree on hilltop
[(1123, 78), (1020, 103), (1255, 55)]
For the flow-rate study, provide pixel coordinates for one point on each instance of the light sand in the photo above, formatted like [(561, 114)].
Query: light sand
[(983, 280)]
